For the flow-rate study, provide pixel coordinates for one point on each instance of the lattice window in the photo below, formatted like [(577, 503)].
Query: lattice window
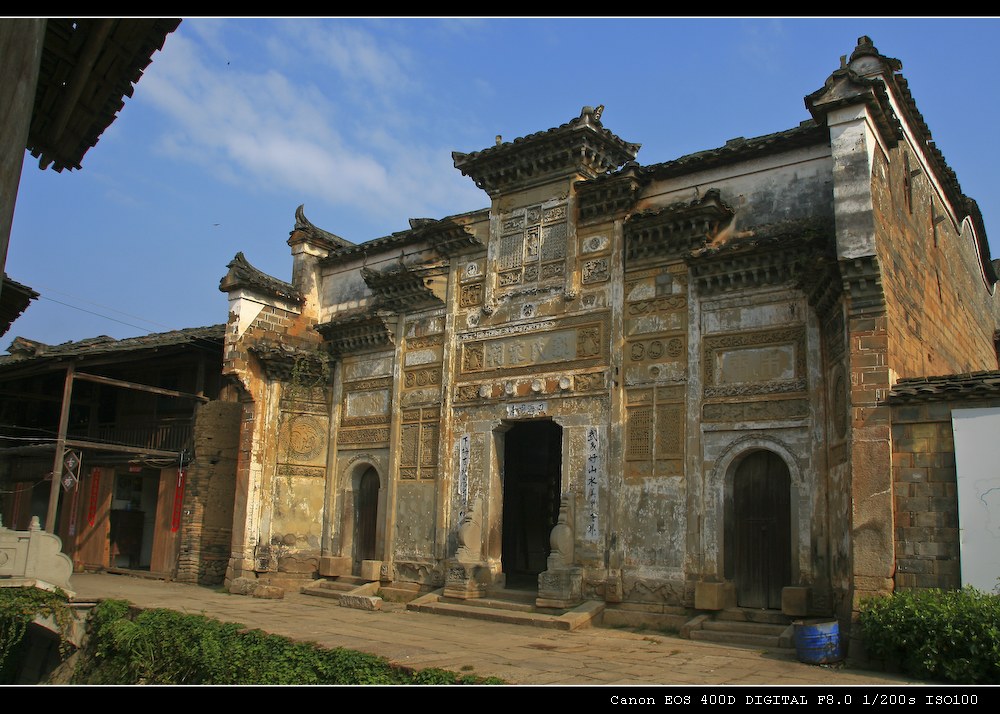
[(654, 431), (419, 443), (537, 250)]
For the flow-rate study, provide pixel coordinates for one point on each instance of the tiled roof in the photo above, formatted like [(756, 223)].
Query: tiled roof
[(418, 231), (243, 275), (88, 66), (805, 134), (624, 146), (949, 386), (23, 350), (14, 300)]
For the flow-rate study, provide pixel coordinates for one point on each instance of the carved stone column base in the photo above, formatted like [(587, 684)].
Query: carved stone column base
[(466, 581), (560, 588)]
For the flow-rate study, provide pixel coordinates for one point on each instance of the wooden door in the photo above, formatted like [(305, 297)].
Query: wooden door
[(762, 530)]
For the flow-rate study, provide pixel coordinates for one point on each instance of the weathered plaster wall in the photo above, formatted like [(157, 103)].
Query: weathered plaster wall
[(786, 186)]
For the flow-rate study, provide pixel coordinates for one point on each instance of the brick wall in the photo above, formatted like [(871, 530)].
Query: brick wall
[(209, 494), (925, 496), (941, 317)]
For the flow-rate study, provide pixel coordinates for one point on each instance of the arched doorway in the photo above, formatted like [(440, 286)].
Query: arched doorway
[(532, 475), (761, 530), (366, 517)]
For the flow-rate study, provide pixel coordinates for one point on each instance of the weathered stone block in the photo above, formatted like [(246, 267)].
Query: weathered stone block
[(331, 566), (361, 602), (795, 601), (268, 592), (371, 569), (714, 596)]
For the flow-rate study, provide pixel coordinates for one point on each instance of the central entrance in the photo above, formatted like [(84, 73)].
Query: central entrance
[(366, 518), (532, 474), (762, 530)]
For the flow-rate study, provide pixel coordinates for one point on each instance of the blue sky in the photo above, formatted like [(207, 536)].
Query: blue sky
[(238, 121)]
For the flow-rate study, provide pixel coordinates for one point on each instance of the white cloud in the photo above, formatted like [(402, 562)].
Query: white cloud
[(272, 130)]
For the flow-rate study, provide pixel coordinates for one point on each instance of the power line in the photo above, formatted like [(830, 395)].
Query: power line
[(91, 312)]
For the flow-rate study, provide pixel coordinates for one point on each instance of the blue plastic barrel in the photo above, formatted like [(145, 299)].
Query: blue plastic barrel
[(818, 642)]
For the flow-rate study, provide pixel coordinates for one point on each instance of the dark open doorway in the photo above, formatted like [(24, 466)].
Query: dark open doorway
[(762, 530), (532, 475), (366, 518)]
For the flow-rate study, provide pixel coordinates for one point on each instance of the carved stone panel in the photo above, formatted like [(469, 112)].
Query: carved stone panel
[(761, 362), (523, 353), (596, 271), (302, 439)]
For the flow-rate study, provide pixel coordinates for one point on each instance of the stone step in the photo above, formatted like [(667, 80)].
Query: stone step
[(750, 628), (574, 619), (332, 587), (742, 614), (510, 595), (323, 592), (769, 642), (399, 594), (490, 603)]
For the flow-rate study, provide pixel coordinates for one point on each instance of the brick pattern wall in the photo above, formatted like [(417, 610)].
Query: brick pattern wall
[(941, 316), (208, 495), (925, 496)]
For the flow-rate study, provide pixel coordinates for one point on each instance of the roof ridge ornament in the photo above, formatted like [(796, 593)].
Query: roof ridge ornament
[(316, 234)]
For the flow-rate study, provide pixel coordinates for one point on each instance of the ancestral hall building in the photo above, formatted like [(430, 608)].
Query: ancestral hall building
[(656, 386)]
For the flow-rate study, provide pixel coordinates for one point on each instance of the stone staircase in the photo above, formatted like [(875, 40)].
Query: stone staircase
[(516, 607), (761, 629), (347, 590)]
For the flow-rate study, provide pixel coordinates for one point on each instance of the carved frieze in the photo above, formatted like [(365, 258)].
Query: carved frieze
[(595, 244), (423, 342), (467, 392), (589, 382), (666, 348), (419, 378), (298, 471), (667, 303), (363, 436), (764, 410)]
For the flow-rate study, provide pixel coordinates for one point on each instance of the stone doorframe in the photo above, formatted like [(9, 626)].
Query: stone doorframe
[(350, 480), (720, 513), (493, 516)]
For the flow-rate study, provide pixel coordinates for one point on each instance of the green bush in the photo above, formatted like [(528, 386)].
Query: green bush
[(168, 647), (952, 635), (19, 606)]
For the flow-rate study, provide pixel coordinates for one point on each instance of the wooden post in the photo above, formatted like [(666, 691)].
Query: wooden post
[(50, 517)]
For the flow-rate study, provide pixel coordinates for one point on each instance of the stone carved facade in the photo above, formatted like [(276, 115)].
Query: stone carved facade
[(629, 354)]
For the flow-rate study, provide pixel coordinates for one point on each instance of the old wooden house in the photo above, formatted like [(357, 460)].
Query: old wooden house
[(142, 449)]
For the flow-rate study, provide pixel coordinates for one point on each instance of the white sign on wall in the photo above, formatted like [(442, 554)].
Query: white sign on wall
[(592, 474), (977, 462)]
